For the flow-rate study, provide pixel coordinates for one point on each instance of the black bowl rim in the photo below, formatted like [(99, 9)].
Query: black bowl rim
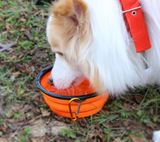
[(49, 68)]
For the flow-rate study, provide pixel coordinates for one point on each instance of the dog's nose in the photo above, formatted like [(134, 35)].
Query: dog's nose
[(50, 81)]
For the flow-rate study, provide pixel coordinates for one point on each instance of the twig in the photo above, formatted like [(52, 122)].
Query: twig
[(17, 139), (35, 118), (15, 132)]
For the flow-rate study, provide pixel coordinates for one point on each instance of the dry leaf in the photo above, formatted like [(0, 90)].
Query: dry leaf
[(39, 140), (23, 19), (20, 67), (5, 47), (125, 105), (137, 139), (151, 125), (38, 30), (117, 140), (36, 111), (29, 35), (44, 14), (45, 113), (37, 13), (9, 27), (96, 137), (34, 140), (23, 26), (26, 108), (126, 123), (6, 138), (26, 15), (1, 19), (139, 99), (23, 29), (42, 100), (111, 125), (14, 75), (82, 122), (20, 119), (4, 129), (35, 8), (16, 108), (35, 97)]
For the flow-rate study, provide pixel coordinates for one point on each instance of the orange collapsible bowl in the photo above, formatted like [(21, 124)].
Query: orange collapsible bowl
[(79, 101)]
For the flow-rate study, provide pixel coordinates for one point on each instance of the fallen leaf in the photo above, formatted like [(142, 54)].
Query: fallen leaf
[(26, 108), (41, 99), (138, 99), (16, 108), (5, 47), (38, 30), (23, 19), (20, 124), (34, 140), (36, 110), (96, 137), (4, 129), (1, 19), (14, 75), (39, 140), (6, 137), (23, 29), (125, 105), (126, 123), (117, 140), (9, 27), (20, 67), (29, 35), (44, 14), (45, 113), (26, 15), (35, 97), (35, 8), (59, 118), (20, 119), (9, 113), (149, 133), (37, 12), (137, 139), (23, 26), (111, 125), (151, 125), (82, 122)]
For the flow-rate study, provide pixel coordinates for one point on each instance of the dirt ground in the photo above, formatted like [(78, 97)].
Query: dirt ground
[(24, 115)]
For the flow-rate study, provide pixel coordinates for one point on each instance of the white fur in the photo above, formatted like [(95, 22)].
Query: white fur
[(115, 56), (156, 136), (111, 49), (63, 75)]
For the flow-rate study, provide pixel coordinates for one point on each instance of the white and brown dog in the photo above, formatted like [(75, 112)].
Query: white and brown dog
[(91, 41)]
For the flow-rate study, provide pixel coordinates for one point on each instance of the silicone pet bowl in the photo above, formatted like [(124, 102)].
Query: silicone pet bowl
[(79, 101)]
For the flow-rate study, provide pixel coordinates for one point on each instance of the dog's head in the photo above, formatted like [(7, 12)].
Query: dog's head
[(70, 36)]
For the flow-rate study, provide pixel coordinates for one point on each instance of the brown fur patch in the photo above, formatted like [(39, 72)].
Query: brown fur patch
[(62, 34), (65, 7), (62, 7), (62, 25)]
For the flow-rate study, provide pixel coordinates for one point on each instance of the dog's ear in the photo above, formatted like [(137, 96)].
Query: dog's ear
[(72, 11)]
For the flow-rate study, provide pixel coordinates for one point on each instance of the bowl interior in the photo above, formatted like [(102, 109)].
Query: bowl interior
[(84, 88)]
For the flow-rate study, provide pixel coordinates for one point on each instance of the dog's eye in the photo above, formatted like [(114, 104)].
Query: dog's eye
[(59, 53)]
